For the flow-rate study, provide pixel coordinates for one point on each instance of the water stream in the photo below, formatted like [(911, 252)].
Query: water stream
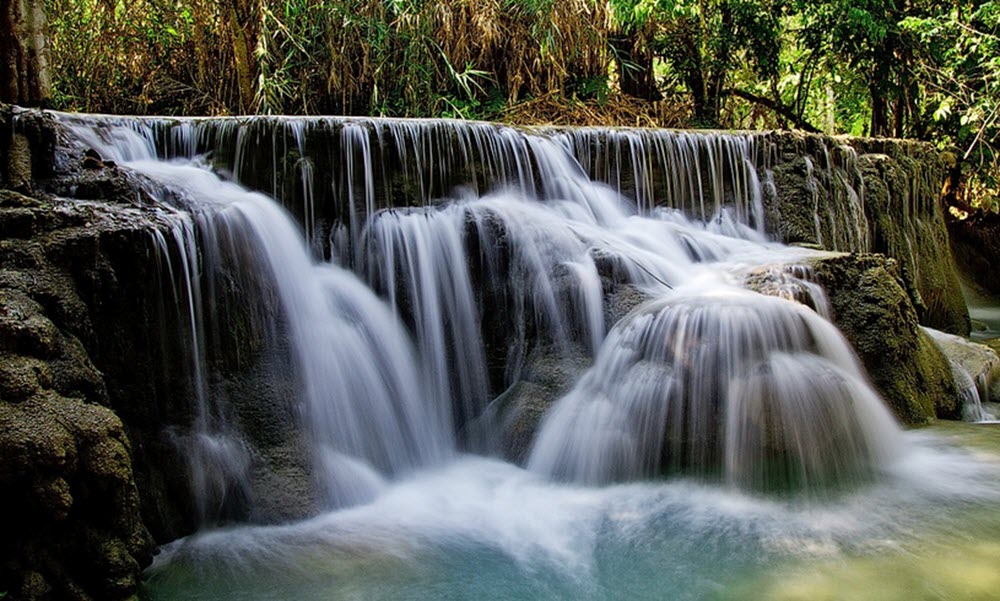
[(719, 441), (482, 529)]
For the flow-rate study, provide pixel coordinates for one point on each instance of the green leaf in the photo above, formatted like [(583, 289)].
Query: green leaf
[(943, 111)]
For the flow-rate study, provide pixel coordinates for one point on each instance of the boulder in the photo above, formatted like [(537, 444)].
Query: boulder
[(548, 373), (976, 364), (71, 508), (870, 305)]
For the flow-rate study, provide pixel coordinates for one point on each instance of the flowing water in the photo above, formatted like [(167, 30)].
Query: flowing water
[(722, 444), (482, 529)]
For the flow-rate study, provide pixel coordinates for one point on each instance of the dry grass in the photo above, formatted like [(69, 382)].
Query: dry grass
[(403, 58), (619, 110)]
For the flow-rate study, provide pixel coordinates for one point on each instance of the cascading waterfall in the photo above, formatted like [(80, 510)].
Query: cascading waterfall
[(542, 247), (431, 262), (718, 381), (362, 392), (216, 456)]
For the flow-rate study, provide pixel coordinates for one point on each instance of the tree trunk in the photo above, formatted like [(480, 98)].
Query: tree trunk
[(682, 47), (635, 68), (198, 11), (720, 60), (880, 112), (24, 71), (241, 55)]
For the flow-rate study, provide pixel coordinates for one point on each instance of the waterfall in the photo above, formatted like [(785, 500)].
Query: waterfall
[(362, 395), (756, 389), (416, 263)]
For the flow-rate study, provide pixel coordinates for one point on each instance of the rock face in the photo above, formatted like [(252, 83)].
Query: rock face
[(881, 196), (870, 305), (70, 508), (547, 375)]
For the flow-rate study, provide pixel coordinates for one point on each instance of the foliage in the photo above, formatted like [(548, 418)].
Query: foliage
[(960, 72), (387, 57)]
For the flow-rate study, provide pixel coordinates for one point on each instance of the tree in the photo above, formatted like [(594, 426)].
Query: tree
[(958, 68), (867, 36), (24, 77), (701, 42)]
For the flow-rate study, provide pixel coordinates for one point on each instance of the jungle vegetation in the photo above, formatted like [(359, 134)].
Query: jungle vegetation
[(923, 69)]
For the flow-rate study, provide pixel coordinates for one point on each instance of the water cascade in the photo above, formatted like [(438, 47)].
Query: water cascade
[(756, 389), (410, 268), (542, 247), (361, 392)]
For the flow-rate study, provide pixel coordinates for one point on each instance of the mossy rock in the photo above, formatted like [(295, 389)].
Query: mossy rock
[(908, 225), (859, 195), (66, 472), (548, 374), (871, 307)]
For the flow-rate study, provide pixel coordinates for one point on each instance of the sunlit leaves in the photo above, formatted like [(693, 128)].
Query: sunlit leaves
[(943, 111)]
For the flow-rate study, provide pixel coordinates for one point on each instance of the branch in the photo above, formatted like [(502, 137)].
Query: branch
[(979, 134), (777, 107)]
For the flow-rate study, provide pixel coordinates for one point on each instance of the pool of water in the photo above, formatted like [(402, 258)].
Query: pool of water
[(985, 317), (481, 529)]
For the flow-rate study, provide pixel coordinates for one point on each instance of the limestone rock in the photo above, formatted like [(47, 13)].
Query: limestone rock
[(870, 306), (548, 373), (979, 363), (858, 195)]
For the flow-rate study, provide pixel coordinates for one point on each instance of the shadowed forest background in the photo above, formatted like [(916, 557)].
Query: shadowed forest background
[(916, 69)]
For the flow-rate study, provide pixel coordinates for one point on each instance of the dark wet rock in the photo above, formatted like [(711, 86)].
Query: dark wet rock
[(71, 510), (975, 244), (620, 301), (69, 491), (548, 373), (92, 160), (871, 307), (282, 484)]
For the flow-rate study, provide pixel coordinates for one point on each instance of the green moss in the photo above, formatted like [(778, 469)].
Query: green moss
[(9, 198), (24, 328), (108, 459), (899, 214), (872, 309), (21, 376)]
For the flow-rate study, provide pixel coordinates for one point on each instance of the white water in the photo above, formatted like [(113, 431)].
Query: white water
[(736, 390), (759, 388), (480, 529)]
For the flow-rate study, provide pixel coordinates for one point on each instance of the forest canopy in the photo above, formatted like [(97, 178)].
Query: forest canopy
[(920, 69)]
